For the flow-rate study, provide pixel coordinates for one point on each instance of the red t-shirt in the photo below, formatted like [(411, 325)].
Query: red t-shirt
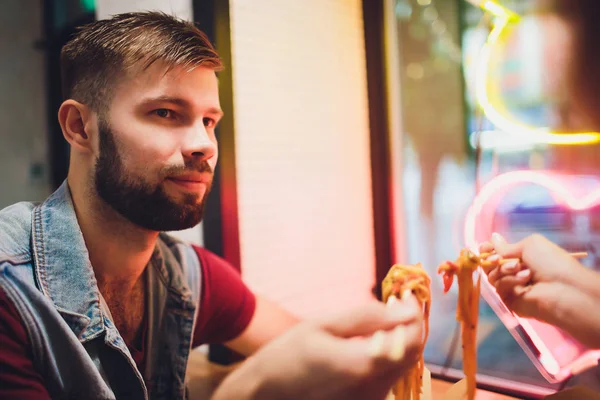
[(226, 308)]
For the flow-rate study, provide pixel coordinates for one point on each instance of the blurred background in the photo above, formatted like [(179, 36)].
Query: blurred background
[(354, 138)]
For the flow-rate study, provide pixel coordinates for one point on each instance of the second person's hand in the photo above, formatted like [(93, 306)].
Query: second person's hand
[(546, 283)]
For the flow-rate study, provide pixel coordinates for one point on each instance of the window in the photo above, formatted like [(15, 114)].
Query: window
[(442, 125)]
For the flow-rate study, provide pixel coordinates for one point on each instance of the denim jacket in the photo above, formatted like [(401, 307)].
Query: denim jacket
[(46, 272)]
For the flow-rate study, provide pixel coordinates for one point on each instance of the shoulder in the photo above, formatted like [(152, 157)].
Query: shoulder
[(184, 250), (15, 232), (19, 378)]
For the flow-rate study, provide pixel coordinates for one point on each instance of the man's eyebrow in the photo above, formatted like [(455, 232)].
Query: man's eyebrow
[(167, 99), (215, 111), (180, 102)]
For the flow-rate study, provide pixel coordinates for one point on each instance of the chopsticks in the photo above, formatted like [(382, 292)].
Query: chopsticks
[(377, 345), (577, 255)]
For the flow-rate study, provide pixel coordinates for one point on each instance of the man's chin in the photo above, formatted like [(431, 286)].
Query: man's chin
[(167, 215), (165, 222)]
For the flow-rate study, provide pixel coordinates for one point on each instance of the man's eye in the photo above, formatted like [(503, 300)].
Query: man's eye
[(163, 113), (209, 122)]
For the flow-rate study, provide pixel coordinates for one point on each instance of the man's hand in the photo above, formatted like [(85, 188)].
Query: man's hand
[(334, 358)]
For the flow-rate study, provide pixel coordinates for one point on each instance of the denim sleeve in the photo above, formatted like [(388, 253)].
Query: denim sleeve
[(18, 377)]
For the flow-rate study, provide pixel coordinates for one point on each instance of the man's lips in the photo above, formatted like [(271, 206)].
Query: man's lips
[(191, 181)]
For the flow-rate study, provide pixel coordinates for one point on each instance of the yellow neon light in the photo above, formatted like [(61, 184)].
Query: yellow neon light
[(497, 10), (502, 18)]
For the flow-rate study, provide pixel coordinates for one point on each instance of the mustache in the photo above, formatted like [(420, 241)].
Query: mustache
[(202, 167)]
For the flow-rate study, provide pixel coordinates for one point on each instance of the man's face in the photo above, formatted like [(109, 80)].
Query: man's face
[(157, 147)]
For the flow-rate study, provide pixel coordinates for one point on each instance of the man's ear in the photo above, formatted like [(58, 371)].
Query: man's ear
[(75, 121)]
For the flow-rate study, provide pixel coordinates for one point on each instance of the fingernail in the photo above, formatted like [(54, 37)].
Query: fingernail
[(510, 266), (520, 290), (376, 344), (400, 312), (391, 301), (494, 257), (397, 351), (496, 237), (526, 273)]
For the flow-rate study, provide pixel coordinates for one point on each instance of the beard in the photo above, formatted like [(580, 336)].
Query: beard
[(139, 201)]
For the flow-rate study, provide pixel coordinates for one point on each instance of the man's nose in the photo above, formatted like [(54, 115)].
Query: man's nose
[(199, 144)]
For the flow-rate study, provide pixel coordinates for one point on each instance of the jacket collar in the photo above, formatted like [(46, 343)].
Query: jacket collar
[(65, 274), (62, 264)]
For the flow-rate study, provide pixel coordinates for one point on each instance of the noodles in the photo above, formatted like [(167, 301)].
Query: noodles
[(467, 310), (399, 279)]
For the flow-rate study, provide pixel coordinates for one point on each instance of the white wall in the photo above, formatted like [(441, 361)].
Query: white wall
[(302, 144), (24, 167), (180, 8), (302, 148)]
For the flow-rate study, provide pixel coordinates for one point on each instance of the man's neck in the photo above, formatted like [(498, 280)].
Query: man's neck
[(119, 250)]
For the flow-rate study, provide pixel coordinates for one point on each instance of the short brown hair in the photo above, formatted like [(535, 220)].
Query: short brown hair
[(101, 53)]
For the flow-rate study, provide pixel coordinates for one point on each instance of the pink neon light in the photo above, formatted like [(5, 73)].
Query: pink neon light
[(490, 195), (493, 190)]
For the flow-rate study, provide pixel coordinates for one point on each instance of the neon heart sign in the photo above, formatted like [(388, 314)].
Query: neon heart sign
[(484, 207), (558, 186)]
